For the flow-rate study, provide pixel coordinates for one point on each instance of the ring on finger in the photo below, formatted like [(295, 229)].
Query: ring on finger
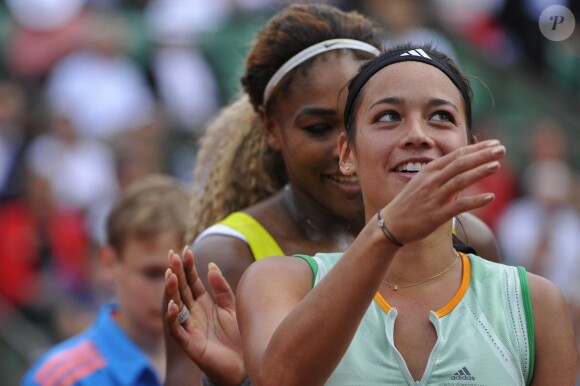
[(183, 315)]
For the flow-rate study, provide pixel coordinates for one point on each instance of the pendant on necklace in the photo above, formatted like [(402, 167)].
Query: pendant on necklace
[(396, 288)]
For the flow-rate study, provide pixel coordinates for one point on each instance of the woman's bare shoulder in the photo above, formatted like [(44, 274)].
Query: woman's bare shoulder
[(231, 254), (556, 354)]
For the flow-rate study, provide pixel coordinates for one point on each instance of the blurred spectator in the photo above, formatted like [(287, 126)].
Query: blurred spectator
[(13, 137), (503, 184), (42, 33), (540, 230), (520, 18), (405, 21), (548, 141), (188, 90), (44, 254), (81, 171), (477, 22), (181, 19), (125, 345), (140, 152), (100, 87), (187, 87), (563, 61)]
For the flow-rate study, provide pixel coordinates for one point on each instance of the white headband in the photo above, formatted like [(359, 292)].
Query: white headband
[(318, 48)]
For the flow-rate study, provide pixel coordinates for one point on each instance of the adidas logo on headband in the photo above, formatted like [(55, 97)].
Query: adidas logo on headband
[(417, 52), (397, 55)]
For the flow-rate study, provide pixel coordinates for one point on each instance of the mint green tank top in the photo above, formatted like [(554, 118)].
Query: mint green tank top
[(484, 334)]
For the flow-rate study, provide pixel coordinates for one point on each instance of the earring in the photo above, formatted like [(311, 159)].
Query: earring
[(348, 168)]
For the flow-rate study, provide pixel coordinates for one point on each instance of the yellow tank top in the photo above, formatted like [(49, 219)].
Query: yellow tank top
[(261, 243)]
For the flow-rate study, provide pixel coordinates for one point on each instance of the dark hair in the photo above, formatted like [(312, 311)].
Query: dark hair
[(235, 167), (407, 52), (294, 29)]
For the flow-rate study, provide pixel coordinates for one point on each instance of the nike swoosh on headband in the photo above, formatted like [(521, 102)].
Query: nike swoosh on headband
[(310, 52)]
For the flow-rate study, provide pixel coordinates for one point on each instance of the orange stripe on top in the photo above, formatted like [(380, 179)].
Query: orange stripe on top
[(463, 286), (72, 360), (55, 362), (81, 372), (465, 278)]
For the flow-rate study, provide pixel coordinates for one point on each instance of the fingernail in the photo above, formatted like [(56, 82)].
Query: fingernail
[(498, 150), (184, 250), (212, 265), (171, 302), (493, 166), (170, 254), (167, 273), (493, 143), (489, 197)]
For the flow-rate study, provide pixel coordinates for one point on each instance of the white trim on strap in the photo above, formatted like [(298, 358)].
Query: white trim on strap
[(220, 229)]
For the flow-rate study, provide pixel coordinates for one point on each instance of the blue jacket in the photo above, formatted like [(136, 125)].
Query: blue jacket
[(102, 355)]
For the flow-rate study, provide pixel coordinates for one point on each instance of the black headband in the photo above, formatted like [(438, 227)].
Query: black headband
[(396, 56)]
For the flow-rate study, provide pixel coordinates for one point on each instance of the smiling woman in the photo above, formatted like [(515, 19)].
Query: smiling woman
[(293, 88), (271, 158), (401, 305)]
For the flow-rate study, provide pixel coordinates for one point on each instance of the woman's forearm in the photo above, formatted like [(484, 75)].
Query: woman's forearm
[(310, 340)]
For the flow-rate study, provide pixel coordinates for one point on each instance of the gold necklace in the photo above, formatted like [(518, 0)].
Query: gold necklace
[(397, 287)]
